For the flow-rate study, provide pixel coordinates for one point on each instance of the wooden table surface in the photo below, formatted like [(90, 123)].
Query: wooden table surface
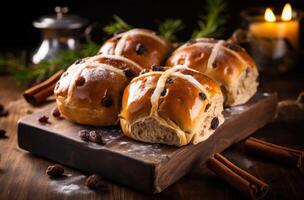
[(22, 175)]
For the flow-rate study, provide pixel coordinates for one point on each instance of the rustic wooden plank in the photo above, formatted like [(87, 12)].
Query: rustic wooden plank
[(146, 167), (241, 121), (22, 175)]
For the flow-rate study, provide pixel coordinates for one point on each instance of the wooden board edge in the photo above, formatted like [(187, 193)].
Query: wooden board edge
[(162, 174), (128, 175)]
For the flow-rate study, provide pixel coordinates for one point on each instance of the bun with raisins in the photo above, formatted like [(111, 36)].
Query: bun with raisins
[(140, 45), (176, 107), (225, 62), (90, 90)]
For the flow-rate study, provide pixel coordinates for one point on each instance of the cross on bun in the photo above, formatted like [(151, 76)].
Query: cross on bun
[(90, 90), (225, 62), (140, 45), (176, 107)]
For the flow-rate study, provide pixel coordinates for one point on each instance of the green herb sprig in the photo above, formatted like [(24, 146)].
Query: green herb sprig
[(169, 27), (27, 74), (211, 24), (118, 24)]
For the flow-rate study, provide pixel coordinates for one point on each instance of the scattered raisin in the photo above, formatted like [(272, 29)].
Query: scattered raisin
[(169, 81), (84, 135), (79, 61), (2, 133), (202, 96), (106, 101), (128, 72), (164, 92), (214, 64), (1, 107), (44, 119), (140, 49), (214, 123), (94, 182), (54, 171), (95, 137), (80, 81), (56, 113), (207, 107), (157, 68)]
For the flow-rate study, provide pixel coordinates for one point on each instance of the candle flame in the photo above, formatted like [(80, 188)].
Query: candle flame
[(287, 13), (269, 15)]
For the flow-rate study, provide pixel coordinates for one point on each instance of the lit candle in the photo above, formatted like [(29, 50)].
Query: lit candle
[(284, 28)]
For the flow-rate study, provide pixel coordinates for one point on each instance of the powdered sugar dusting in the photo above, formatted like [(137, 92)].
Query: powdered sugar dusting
[(265, 94), (141, 150), (70, 185), (69, 188), (110, 135), (235, 110)]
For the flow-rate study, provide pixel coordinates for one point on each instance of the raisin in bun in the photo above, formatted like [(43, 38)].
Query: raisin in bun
[(176, 107), (90, 91), (140, 45), (225, 62)]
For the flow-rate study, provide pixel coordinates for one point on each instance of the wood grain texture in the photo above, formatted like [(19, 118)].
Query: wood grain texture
[(148, 168), (22, 175)]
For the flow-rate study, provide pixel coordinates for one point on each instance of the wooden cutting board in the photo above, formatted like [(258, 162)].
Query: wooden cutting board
[(146, 167)]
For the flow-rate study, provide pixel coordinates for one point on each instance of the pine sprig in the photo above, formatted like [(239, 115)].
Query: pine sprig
[(169, 27), (27, 74), (117, 25), (10, 62), (211, 24)]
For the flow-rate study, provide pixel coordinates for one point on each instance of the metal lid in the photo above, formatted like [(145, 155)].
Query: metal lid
[(61, 20)]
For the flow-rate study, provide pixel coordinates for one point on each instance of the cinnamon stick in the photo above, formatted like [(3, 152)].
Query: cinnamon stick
[(40, 92), (275, 152), (237, 177)]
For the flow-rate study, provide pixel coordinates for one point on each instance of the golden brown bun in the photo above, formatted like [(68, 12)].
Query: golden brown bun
[(90, 91), (172, 107), (140, 45), (225, 62)]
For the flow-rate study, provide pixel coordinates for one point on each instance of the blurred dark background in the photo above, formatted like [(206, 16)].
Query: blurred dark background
[(17, 16)]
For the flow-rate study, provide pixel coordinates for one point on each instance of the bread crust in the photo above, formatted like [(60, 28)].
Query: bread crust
[(90, 90), (225, 62), (106, 75), (178, 116), (140, 45)]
